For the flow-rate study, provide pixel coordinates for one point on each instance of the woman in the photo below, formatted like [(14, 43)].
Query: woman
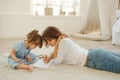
[(68, 52)]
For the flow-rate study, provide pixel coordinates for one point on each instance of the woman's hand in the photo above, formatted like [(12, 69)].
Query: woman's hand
[(59, 39), (29, 59), (46, 58)]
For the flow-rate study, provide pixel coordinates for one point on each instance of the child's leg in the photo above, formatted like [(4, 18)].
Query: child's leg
[(17, 65), (104, 59), (23, 66)]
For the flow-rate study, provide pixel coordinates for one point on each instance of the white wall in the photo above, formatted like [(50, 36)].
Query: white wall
[(14, 7), (16, 21), (18, 25)]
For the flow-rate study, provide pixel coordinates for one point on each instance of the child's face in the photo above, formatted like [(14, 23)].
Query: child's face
[(52, 42), (32, 46)]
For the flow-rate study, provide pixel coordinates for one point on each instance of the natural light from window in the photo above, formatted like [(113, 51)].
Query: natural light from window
[(56, 7)]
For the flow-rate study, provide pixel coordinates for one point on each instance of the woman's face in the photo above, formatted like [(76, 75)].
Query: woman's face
[(52, 42)]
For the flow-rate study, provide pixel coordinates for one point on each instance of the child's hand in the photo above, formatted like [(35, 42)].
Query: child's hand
[(29, 59), (46, 59), (20, 61)]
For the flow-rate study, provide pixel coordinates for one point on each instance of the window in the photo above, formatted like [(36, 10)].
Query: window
[(56, 7)]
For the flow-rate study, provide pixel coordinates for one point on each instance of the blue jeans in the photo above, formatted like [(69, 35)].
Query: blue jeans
[(103, 59)]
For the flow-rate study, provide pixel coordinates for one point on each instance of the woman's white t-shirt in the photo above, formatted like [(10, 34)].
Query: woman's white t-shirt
[(70, 53)]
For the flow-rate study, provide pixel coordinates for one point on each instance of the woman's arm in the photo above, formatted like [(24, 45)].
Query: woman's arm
[(53, 55)]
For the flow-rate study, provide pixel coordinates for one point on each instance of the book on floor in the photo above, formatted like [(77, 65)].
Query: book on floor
[(40, 63)]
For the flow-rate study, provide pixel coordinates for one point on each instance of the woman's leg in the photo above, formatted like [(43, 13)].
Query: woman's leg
[(116, 54), (104, 59)]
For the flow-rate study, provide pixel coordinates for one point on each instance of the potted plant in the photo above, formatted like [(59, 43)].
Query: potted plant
[(48, 10), (36, 11), (73, 13), (62, 12), (74, 7)]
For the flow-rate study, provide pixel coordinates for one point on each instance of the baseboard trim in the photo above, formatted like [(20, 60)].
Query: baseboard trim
[(11, 36)]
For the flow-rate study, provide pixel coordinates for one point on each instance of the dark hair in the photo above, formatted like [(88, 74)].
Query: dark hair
[(51, 32), (35, 38)]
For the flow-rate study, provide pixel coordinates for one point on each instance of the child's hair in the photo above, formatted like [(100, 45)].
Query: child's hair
[(51, 32), (35, 38)]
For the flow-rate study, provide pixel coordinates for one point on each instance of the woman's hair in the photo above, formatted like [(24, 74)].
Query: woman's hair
[(51, 32), (35, 38)]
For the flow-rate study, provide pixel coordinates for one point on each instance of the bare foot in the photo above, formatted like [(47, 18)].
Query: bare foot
[(30, 68)]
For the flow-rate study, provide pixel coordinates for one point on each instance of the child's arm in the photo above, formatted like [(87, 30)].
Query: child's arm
[(13, 55)]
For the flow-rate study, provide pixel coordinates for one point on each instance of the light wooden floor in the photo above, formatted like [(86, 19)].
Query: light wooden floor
[(58, 72), (6, 44)]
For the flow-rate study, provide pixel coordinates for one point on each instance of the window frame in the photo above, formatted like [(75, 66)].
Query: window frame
[(49, 16)]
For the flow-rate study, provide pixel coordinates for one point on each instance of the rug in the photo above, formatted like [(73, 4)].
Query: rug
[(54, 72)]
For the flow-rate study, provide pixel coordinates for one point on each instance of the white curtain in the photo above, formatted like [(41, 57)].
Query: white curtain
[(107, 9), (97, 13), (104, 19), (103, 13)]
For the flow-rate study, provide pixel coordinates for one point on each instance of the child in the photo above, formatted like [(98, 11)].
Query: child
[(68, 52), (20, 56)]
